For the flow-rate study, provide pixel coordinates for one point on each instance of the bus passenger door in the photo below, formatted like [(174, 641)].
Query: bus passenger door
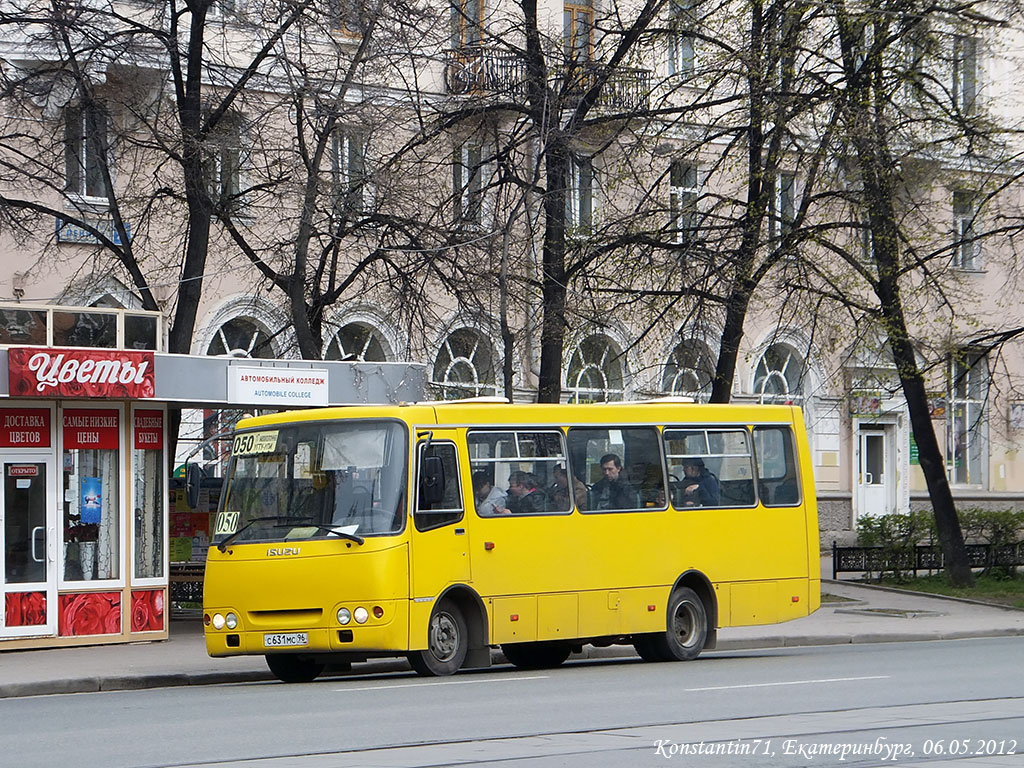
[(440, 541)]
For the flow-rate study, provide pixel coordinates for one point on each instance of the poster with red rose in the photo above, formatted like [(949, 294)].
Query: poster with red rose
[(93, 613), (25, 609), (147, 610), (93, 373)]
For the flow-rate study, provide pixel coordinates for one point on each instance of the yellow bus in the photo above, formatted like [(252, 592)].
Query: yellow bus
[(441, 531)]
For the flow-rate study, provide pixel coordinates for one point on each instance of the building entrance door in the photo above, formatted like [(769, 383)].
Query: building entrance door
[(875, 478), (28, 546)]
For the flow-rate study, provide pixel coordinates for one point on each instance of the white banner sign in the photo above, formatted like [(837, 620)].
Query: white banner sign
[(277, 386)]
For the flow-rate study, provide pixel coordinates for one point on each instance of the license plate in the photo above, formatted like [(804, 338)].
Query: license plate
[(284, 639)]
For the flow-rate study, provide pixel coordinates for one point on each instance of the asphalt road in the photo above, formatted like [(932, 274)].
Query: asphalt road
[(950, 702)]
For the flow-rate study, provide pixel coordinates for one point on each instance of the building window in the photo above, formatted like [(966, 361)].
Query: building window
[(348, 173), (241, 337), (965, 73), (465, 366), (467, 183), (578, 30), (579, 197), (344, 17), (595, 373), (222, 163), (683, 203), (965, 242), (915, 50), (783, 204), (681, 57), (85, 141), (357, 342), (779, 375), (689, 371), (968, 389), (467, 22)]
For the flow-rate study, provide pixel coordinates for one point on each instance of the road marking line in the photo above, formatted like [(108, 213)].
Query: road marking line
[(446, 682), (790, 682)]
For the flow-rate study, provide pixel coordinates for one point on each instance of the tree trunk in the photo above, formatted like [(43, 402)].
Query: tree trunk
[(553, 288)]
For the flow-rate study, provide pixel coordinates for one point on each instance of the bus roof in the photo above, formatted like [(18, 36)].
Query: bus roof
[(475, 412)]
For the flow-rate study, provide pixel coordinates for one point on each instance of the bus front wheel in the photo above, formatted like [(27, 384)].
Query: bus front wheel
[(536, 655), (685, 633), (447, 638), (289, 668)]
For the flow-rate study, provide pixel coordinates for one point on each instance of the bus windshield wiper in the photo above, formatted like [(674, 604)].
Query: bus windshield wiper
[(224, 543), (344, 531)]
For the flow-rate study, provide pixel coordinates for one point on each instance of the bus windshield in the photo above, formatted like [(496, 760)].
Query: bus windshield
[(304, 481)]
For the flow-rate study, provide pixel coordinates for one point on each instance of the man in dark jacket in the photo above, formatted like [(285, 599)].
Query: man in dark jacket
[(612, 491), (524, 497), (700, 487)]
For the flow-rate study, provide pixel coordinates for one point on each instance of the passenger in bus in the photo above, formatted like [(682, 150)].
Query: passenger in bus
[(612, 491), (488, 496), (700, 486), (524, 497), (558, 493)]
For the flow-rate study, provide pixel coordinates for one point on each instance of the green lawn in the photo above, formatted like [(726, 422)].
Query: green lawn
[(1008, 591)]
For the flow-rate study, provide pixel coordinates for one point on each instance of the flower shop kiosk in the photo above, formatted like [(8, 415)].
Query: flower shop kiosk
[(84, 463)]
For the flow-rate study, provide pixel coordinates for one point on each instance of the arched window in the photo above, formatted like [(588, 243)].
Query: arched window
[(241, 337), (689, 371), (595, 371), (464, 366), (779, 375), (357, 342)]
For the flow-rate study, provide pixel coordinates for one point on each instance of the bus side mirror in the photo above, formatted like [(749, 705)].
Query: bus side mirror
[(431, 480), (193, 480)]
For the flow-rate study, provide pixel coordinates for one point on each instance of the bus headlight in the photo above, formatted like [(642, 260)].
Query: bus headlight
[(344, 617), (218, 621), (231, 621), (361, 615)]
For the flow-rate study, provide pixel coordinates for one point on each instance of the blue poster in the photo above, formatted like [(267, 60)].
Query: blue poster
[(92, 499)]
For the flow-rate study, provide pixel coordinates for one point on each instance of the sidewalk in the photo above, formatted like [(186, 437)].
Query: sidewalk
[(865, 615)]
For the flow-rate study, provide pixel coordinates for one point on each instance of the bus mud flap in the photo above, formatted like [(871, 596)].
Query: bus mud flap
[(477, 658)]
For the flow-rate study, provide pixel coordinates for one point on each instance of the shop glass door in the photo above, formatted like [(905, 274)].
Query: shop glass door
[(28, 541)]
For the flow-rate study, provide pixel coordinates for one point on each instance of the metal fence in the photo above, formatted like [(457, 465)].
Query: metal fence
[(923, 557)]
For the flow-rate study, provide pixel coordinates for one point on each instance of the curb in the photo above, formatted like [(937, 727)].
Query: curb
[(176, 680)]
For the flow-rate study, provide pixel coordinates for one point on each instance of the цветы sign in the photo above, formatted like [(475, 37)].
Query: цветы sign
[(45, 372)]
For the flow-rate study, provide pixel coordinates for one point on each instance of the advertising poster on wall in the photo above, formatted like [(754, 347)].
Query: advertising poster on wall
[(92, 499)]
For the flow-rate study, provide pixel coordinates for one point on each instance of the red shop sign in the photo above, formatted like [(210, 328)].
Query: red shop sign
[(23, 470), (45, 372), (24, 427), (149, 430), (92, 428)]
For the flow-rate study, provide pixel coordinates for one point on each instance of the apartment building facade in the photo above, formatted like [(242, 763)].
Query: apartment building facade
[(362, 196)]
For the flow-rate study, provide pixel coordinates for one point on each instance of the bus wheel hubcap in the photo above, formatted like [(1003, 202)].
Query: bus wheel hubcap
[(444, 637), (684, 624)]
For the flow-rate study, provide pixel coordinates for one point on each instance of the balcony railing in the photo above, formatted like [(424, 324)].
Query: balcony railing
[(625, 89), (482, 71)]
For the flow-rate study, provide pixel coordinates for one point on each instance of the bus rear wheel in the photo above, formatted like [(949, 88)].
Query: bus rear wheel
[(447, 638), (686, 630), (289, 668), (536, 655)]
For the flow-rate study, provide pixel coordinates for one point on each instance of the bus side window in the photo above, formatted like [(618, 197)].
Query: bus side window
[(778, 476), (449, 509)]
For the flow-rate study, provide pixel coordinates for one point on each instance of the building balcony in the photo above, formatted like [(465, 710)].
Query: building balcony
[(480, 71)]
